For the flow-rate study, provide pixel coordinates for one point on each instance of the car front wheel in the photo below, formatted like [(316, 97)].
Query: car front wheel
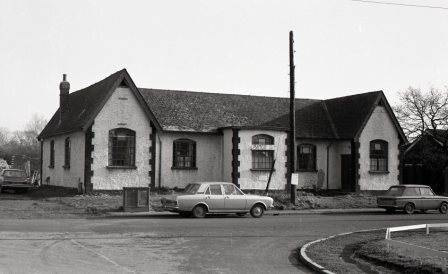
[(257, 211), (409, 208), (199, 211), (443, 208)]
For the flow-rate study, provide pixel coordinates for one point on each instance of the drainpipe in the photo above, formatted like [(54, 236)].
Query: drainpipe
[(160, 162), (328, 164)]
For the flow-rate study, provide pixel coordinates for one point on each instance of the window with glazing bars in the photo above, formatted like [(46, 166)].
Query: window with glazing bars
[(67, 152), (306, 155), (262, 159), (121, 147), (378, 155), (184, 153)]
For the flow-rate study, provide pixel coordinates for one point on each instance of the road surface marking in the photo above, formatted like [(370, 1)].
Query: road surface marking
[(102, 256)]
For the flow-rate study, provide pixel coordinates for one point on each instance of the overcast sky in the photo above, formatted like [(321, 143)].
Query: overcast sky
[(343, 47)]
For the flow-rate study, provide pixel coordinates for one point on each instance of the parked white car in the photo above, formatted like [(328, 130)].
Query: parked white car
[(199, 199)]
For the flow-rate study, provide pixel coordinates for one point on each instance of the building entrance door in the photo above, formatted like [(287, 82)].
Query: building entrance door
[(347, 180)]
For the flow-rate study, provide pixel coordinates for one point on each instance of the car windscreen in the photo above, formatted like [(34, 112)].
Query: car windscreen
[(395, 191), (191, 188), (14, 173)]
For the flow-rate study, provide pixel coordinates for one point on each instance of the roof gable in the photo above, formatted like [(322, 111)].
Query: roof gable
[(350, 114), (85, 104)]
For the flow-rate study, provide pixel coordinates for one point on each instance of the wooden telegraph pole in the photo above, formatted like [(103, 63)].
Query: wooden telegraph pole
[(292, 118)]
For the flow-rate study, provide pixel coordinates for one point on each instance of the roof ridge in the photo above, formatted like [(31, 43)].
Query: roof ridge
[(113, 74), (353, 95), (232, 94)]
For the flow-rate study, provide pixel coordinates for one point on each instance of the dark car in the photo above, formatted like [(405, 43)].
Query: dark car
[(412, 197), (14, 179)]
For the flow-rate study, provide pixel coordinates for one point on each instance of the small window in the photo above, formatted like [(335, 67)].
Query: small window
[(262, 159), (215, 190), (67, 152), (184, 153), (262, 139), (378, 155), (51, 154), (306, 154), (121, 147)]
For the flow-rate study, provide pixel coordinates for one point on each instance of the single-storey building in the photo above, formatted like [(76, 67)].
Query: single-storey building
[(112, 135), (425, 159)]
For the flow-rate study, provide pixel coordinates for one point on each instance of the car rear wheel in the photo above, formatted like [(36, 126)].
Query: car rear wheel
[(199, 211), (257, 211), (409, 208), (443, 208)]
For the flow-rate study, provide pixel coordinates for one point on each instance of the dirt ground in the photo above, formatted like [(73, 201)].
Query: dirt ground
[(59, 203)]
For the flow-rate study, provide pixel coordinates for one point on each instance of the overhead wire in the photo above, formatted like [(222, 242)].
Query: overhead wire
[(400, 4)]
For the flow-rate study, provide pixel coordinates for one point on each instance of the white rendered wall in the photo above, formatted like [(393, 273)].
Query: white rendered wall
[(254, 179), (319, 178), (60, 176), (379, 126), (122, 110), (208, 160)]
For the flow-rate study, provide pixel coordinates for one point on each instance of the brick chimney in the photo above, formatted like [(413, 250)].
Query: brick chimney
[(64, 105)]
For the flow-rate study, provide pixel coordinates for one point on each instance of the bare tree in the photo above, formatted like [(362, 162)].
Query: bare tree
[(22, 143), (420, 111), (4, 136)]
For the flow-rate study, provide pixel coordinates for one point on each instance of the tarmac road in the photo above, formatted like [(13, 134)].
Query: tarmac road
[(170, 244)]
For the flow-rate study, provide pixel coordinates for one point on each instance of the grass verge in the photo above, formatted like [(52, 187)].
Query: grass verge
[(368, 252)]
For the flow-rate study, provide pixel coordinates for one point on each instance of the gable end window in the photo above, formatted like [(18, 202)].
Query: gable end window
[(121, 147), (378, 156), (51, 154), (184, 154), (67, 154), (306, 154)]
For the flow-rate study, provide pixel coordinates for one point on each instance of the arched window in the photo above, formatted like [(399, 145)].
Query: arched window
[(262, 139), (67, 152), (378, 155), (51, 154), (306, 154), (184, 153), (121, 147)]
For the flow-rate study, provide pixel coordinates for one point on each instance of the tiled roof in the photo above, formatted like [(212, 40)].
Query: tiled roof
[(83, 105), (208, 112), (349, 113)]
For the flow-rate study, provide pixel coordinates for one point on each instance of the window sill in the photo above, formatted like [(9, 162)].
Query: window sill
[(184, 168), (121, 167), (306, 170), (66, 167), (379, 172), (261, 169)]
